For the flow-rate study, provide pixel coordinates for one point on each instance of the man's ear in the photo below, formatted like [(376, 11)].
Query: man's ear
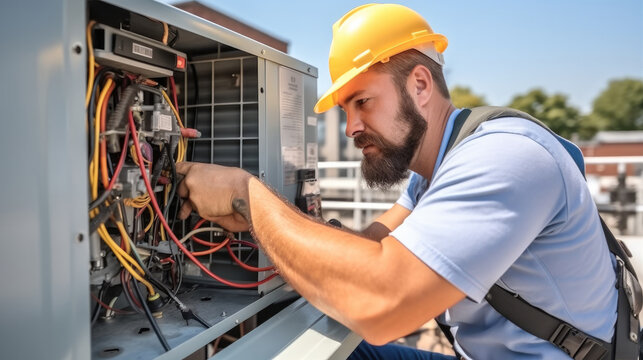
[(420, 85)]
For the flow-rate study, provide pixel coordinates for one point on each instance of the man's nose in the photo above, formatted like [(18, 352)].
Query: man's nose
[(354, 125)]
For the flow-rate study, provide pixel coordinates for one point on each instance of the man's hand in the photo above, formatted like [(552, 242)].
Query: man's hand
[(217, 193)]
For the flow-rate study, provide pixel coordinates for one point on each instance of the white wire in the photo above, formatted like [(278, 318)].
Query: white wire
[(217, 231), (109, 313)]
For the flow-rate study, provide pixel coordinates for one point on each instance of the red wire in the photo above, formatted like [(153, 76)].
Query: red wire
[(202, 242), (156, 207), (118, 311), (126, 287), (212, 250), (173, 89), (119, 166), (140, 211), (246, 243), (244, 265), (166, 260)]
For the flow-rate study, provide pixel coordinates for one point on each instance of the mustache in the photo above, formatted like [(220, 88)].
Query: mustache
[(364, 139)]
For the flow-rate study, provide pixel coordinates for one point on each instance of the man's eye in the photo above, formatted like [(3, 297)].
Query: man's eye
[(361, 102)]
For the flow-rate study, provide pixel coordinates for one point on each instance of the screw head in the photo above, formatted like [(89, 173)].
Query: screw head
[(80, 237), (77, 48), (633, 336), (223, 314)]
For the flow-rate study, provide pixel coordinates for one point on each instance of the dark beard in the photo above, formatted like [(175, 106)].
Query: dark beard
[(391, 165)]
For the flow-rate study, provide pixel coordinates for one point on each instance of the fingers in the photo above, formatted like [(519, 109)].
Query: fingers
[(184, 167), (182, 190), (186, 209)]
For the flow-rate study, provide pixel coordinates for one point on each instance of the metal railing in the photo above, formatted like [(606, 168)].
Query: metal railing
[(357, 197)]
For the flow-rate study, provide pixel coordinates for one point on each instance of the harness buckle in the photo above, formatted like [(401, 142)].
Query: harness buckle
[(576, 344)]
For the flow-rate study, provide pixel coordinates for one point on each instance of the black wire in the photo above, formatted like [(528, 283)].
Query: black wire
[(101, 199), (173, 222), (134, 230), (103, 215), (174, 184), (179, 261), (130, 301), (175, 32), (101, 292), (151, 319), (92, 108)]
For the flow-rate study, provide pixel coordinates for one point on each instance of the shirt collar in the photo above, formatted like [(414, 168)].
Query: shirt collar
[(445, 140)]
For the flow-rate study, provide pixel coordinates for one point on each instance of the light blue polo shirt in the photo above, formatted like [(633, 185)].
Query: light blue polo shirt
[(509, 205)]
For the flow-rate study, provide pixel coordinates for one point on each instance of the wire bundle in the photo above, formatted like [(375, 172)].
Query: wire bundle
[(108, 91)]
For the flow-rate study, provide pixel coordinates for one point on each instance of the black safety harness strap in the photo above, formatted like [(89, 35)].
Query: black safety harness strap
[(539, 323)]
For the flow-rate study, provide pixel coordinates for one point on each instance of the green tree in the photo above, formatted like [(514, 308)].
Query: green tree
[(619, 107), (553, 110), (463, 97)]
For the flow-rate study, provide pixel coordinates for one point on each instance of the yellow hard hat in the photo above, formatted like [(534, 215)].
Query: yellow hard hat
[(372, 33)]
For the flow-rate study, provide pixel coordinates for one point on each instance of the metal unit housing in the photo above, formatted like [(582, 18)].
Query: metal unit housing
[(44, 197)]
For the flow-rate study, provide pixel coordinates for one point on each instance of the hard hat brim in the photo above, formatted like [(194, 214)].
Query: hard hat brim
[(329, 99)]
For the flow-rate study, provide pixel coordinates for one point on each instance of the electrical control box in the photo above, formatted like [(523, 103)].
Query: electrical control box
[(123, 90)]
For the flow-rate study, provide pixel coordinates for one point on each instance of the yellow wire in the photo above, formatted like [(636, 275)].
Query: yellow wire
[(122, 256), (181, 151), (93, 166), (92, 63), (117, 249), (138, 202), (149, 226), (166, 33), (121, 229), (132, 152), (176, 113)]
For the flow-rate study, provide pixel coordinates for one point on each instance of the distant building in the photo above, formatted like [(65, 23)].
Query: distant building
[(613, 143), (233, 24)]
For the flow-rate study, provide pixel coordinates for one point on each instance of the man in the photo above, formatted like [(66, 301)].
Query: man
[(507, 205)]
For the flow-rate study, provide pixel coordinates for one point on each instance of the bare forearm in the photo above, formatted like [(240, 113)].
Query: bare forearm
[(320, 261), (376, 231), (357, 281)]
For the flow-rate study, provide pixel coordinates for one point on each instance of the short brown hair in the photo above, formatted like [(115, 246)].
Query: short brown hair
[(401, 65)]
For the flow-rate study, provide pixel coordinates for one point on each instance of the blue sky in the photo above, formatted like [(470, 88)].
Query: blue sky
[(499, 48)]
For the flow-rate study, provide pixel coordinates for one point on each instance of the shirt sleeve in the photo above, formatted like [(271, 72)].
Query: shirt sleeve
[(491, 197), (410, 196)]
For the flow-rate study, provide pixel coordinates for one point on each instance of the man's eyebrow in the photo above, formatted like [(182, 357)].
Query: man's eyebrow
[(350, 97)]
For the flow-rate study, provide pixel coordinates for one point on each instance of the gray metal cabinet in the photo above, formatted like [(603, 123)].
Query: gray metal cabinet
[(43, 212)]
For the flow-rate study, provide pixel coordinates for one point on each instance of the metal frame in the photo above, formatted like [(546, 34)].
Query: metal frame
[(200, 26), (299, 332), (43, 156)]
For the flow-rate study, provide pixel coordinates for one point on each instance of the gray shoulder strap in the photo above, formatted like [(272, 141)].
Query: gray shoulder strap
[(467, 124)]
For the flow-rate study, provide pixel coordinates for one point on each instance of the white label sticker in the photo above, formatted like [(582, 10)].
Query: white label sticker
[(311, 156), (142, 50), (291, 113), (165, 122), (312, 120)]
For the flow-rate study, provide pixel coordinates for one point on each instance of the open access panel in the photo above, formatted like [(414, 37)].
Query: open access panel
[(166, 87)]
